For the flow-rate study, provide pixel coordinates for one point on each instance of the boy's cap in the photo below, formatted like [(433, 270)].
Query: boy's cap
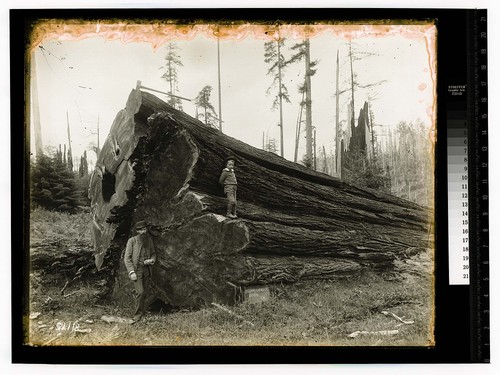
[(140, 225), (233, 158)]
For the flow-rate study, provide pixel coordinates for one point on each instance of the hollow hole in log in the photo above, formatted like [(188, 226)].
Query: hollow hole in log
[(158, 306), (108, 185)]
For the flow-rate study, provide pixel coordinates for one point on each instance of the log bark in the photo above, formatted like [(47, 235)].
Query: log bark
[(161, 165)]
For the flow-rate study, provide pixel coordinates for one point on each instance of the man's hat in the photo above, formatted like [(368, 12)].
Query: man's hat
[(140, 225)]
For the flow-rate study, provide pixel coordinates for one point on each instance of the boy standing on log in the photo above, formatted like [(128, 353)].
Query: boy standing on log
[(139, 256), (228, 180)]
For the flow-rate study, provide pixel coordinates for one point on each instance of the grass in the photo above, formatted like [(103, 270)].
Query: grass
[(52, 227), (312, 313)]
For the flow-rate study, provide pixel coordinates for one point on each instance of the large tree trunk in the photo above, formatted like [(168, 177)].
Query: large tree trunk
[(161, 165)]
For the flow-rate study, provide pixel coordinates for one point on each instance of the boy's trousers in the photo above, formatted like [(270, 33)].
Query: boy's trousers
[(230, 191)]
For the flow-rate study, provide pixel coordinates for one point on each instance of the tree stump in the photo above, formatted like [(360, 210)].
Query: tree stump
[(162, 166)]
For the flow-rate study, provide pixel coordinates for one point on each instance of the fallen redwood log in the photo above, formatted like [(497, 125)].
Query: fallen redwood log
[(161, 165)]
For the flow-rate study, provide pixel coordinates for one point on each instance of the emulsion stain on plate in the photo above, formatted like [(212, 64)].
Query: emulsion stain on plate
[(422, 86)]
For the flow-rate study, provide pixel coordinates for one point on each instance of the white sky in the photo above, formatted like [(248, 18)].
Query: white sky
[(93, 77)]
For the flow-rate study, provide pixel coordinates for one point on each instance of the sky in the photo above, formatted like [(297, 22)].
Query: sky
[(87, 81)]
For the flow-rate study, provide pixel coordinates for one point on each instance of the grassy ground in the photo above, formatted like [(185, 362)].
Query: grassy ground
[(306, 313)]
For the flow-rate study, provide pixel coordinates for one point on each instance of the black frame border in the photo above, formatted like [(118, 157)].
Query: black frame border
[(452, 336)]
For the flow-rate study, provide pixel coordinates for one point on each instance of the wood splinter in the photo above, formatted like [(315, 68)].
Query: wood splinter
[(397, 317), (225, 309)]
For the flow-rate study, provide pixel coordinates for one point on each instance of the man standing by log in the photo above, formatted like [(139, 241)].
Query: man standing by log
[(228, 180), (139, 256)]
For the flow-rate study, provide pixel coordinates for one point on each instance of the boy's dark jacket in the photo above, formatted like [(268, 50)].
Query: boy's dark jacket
[(228, 177)]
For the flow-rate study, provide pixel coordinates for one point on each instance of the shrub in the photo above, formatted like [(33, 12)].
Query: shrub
[(53, 186)]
